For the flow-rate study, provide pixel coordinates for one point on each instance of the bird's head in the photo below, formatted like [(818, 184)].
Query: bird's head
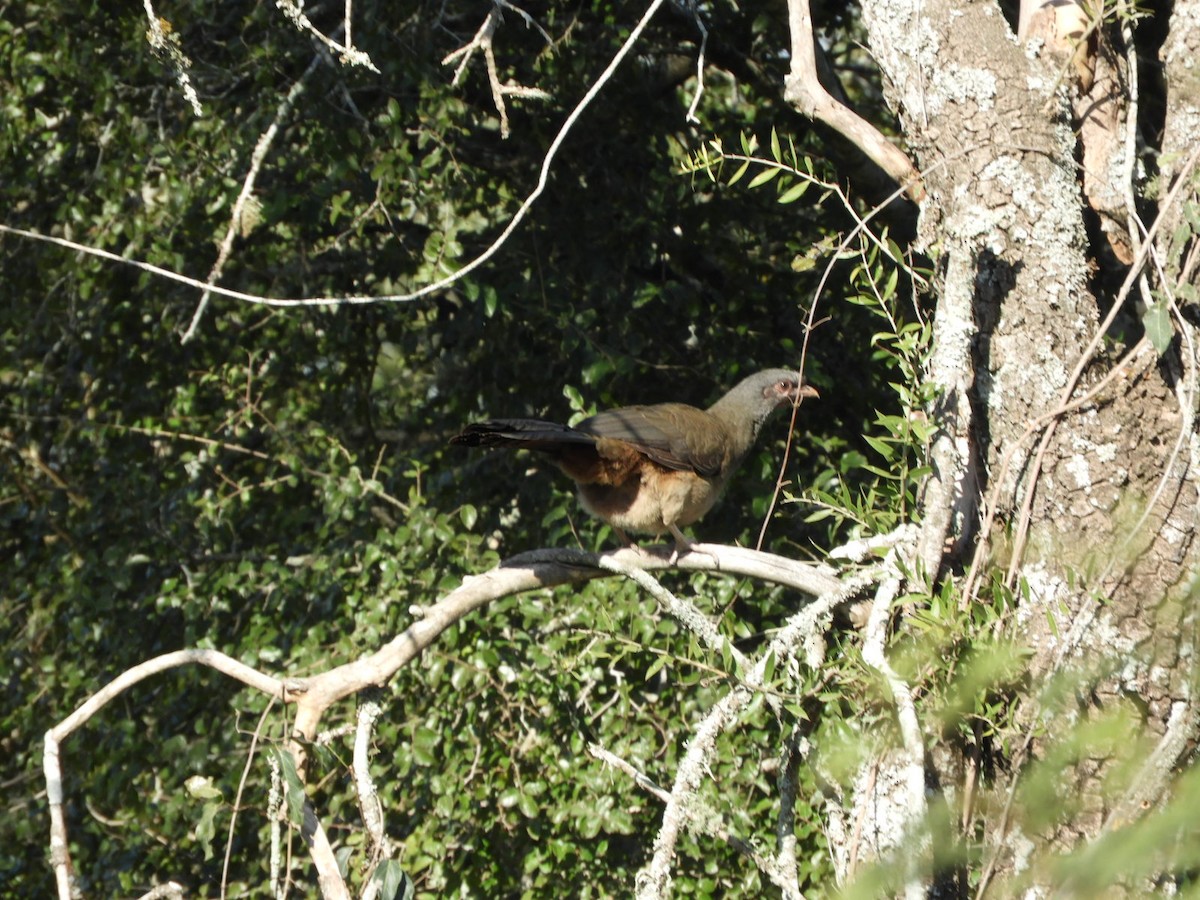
[(750, 402), (785, 388)]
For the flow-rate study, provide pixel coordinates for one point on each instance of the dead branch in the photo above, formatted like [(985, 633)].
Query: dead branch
[(240, 216), (803, 88), (794, 644), (482, 41), (526, 572)]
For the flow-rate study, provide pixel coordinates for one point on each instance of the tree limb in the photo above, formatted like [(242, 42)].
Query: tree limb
[(803, 88), (526, 572)]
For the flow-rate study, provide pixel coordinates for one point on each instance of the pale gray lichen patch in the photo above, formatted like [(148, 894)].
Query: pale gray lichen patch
[(1078, 467), (962, 84), (910, 36)]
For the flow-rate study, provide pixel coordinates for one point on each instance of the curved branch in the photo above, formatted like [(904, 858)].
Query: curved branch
[(527, 572), (803, 88), (60, 856)]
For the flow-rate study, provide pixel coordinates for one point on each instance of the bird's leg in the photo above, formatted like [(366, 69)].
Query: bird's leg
[(682, 544), (627, 541)]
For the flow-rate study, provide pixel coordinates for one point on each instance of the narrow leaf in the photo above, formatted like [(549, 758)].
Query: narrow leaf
[(293, 786), (737, 176), (794, 193), (763, 177)]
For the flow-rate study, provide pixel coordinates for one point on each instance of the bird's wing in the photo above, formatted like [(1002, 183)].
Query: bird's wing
[(673, 435)]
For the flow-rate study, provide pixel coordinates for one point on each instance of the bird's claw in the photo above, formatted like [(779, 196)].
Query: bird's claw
[(682, 547)]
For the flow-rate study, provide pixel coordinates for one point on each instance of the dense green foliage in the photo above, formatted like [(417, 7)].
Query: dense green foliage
[(279, 486)]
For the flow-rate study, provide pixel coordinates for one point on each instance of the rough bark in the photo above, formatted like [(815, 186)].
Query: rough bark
[(1108, 490)]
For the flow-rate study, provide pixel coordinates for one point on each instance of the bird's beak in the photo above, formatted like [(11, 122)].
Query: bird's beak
[(807, 390)]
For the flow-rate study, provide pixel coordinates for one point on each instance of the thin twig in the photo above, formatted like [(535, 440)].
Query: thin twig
[(705, 820), (345, 52), (654, 880), (694, 9), (682, 611), (237, 218), (237, 799)]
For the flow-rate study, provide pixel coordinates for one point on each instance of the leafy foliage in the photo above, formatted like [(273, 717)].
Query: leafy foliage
[(278, 487)]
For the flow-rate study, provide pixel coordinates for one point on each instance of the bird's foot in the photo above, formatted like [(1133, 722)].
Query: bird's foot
[(630, 544), (683, 546)]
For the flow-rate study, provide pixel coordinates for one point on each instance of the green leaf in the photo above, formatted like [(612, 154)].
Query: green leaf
[(528, 806), (763, 177), (794, 193), (727, 662), (1157, 322), (424, 746), (880, 446), (769, 667), (293, 786), (206, 828), (393, 881), (655, 667), (737, 176), (202, 788), (469, 515)]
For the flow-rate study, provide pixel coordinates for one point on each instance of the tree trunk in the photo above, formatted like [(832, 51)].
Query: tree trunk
[(1088, 508)]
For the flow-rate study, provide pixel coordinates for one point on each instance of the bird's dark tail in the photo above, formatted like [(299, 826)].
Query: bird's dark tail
[(530, 434)]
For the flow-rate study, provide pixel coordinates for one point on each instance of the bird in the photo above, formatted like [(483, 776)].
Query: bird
[(657, 468)]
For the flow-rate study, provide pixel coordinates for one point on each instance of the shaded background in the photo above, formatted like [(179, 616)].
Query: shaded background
[(280, 488)]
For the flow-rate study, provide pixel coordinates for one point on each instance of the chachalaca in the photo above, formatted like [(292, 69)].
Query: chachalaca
[(657, 468)]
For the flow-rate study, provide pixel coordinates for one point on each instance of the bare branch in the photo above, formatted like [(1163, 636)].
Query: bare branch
[(237, 800), (537, 569), (51, 761), (685, 613), (345, 52), (483, 42), (694, 9), (165, 43), (238, 216), (369, 803), (704, 820), (913, 761), (803, 88), (329, 875), (795, 640)]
